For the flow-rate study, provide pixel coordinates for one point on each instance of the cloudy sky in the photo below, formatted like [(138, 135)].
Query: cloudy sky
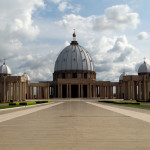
[(115, 32)]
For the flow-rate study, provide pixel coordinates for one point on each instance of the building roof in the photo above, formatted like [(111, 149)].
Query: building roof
[(144, 68), (74, 57), (4, 69)]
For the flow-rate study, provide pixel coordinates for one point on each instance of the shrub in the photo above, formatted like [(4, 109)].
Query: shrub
[(23, 103), (121, 102), (12, 104), (107, 101), (31, 103), (38, 102)]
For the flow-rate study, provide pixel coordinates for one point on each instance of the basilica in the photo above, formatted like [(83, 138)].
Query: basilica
[(75, 77)]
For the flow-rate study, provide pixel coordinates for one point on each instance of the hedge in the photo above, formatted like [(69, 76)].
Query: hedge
[(28, 103), (121, 102)]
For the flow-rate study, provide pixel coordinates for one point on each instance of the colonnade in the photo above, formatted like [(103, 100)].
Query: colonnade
[(38, 92), (12, 91), (138, 90), (92, 90)]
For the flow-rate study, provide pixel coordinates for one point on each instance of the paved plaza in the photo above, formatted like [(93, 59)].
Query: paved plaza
[(75, 124)]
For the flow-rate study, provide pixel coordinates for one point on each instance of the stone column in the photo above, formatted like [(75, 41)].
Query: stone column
[(48, 92), (90, 91), (144, 90), (147, 91), (107, 91), (133, 90), (67, 94), (61, 90), (9, 97), (129, 94), (81, 90), (78, 90), (94, 91), (139, 90), (16, 90), (40, 92), (69, 90), (58, 90), (20, 91)]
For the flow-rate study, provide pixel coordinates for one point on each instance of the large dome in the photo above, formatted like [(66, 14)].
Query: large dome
[(4, 69), (144, 68), (74, 57)]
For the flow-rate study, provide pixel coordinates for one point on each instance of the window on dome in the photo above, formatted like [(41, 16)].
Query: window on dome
[(63, 75), (74, 75), (85, 75)]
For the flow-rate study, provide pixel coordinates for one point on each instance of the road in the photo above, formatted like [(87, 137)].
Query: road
[(74, 125)]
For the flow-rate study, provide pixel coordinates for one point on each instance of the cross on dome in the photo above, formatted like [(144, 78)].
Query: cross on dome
[(4, 61), (144, 60), (74, 42)]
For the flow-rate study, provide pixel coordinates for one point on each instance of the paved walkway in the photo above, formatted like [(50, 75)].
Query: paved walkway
[(74, 125)]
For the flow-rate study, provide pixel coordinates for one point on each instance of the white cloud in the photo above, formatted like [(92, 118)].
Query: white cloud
[(111, 54), (64, 5), (54, 1), (142, 36), (117, 17), (16, 24)]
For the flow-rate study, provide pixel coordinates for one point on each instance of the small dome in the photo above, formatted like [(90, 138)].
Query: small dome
[(144, 68), (121, 76), (26, 76), (4, 69)]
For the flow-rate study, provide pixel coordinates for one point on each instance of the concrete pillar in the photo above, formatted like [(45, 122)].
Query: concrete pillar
[(58, 90), (40, 92), (9, 97), (90, 91), (129, 94), (133, 90), (144, 90), (67, 94), (69, 90), (16, 90), (139, 90), (107, 91), (14, 96), (94, 90), (79, 91), (147, 91), (20, 91), (61, 90), (112, 92), (48, 92)]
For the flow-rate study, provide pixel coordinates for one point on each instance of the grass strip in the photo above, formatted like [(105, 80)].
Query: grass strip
[(20, 104), (128, 104)]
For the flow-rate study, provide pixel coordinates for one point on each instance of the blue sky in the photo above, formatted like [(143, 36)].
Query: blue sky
[(115, 32)]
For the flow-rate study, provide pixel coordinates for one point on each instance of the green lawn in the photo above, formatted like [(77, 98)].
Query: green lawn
[(20, 104), (3, 107), (128, 104)]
